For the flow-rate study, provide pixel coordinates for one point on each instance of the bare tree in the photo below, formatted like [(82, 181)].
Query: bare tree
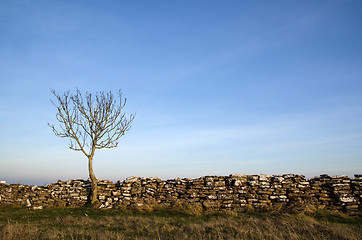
[(91, 122)]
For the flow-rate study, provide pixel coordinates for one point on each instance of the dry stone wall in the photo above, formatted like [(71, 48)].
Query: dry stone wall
[(236, 192)]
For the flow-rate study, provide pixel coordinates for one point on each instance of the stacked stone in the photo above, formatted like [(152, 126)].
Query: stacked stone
[(40, 197), (148, 192), (106, 195), (214, 192), (297, 189), (226, 195), (344, 197), (237, 192), (123, 192), (336, 192), (134, 191), (193, 194), (170, 192), (320, 193), (356, 187), (15, 194), (259, 191), (278, 187), (240, 187), (70, 193), (62, 193)]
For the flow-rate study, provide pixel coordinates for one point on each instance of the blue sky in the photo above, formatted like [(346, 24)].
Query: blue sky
[(219, 87)]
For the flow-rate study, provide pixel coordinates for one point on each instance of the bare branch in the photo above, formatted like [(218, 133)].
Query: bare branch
[(91, 122)]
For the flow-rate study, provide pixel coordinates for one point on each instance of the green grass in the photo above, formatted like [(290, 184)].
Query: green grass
[(158, 223)]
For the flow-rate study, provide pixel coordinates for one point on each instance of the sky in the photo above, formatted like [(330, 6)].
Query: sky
[(219, 87)]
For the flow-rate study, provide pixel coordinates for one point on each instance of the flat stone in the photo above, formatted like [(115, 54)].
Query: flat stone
[(347, 199), (264, 177), (132, 179)]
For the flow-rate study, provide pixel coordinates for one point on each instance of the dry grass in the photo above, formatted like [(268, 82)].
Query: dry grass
[(83, 223)]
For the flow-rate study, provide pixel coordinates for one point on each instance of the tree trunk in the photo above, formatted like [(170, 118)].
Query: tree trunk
[(94, 181)]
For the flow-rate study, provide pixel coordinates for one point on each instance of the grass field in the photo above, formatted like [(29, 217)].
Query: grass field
[(86, 223)]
